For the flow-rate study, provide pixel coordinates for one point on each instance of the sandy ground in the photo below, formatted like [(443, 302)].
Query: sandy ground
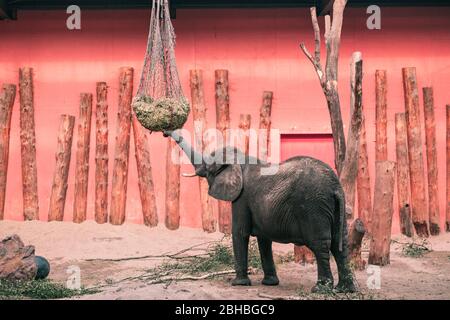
[(67, 244)]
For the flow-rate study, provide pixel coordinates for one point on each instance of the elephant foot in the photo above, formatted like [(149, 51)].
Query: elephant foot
[(324, 287), (347, 287), (270, 281), (245, 281)]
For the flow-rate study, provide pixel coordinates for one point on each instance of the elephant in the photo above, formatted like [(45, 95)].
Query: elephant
[(301, 203)]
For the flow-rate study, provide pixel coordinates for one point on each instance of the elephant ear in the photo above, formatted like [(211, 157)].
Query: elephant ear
[(227, 184)]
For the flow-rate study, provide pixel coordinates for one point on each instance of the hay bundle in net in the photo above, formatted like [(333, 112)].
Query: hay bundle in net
[(162, 114), (160, 103)]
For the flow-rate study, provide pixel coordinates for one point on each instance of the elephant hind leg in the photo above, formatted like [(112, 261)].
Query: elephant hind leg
[(346, 281), (321, 250)]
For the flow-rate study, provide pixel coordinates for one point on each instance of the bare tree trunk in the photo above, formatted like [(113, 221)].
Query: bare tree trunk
[(172, 186), (82, 159), (101, 154), (447, 218), (355, 238), (200, 124), (61, 175), (28, 145), (329, 79), (430, 139), (403, 188), (382, 213), (381, 116), (122, 148), (416, 167), (7, 97), (223, 124), (264, 125)]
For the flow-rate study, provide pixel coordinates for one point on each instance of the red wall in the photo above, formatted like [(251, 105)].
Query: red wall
[(260, 48)]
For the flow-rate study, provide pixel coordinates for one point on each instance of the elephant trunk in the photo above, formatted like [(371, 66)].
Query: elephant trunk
[(194, 156)]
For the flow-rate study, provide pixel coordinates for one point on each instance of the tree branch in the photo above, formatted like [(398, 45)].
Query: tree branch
[(333, 40), (316, 59), (190, 277), (318, 68), (327, 26), (316, 28)]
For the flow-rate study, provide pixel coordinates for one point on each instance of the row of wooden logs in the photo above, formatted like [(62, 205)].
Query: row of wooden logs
[(125, 120), (416, 214)]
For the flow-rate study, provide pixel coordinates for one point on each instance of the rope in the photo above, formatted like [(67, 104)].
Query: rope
[(160, 103)]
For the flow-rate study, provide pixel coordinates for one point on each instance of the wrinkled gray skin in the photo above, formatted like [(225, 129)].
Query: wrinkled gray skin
[(302, 203)]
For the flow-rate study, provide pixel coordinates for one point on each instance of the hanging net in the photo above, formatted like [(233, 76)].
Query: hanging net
[(159, 104)]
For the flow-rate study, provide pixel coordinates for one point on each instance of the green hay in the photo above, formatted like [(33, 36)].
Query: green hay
[(161, 114), (37, 289), (415, 250), (219, 258)]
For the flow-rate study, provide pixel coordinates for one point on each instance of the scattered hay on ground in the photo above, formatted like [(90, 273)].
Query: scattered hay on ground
[(416, 250), (38, 289)]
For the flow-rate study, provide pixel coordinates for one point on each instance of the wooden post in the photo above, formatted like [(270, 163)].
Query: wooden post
[(381, 116), (7, 97), (28, 145), (382, 213), (82, 159), (200, 124), (356, 56), (264, 125), (349, 171), (145, 176), (363, 191), (223, 124), (430, 140), (355, 237), (61, 175), (172, 186), (403, 188), (350, 167), (101, 154), (244, 126), (416, 166), (447, 218), (122, 148)]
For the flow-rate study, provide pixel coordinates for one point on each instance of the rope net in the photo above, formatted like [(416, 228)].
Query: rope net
[(160, 104)]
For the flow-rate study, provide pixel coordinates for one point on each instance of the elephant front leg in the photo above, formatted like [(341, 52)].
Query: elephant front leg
[(240, 250), (270, 273)]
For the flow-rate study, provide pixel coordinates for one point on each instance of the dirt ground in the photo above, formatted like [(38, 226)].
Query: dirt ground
[(67, 245)]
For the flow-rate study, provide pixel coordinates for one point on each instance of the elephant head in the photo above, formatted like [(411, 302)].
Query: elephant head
[(222, 168)]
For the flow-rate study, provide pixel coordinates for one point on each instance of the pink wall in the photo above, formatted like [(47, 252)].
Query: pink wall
[(260, 48)]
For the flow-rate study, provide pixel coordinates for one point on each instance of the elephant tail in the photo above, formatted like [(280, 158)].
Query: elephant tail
[(340, 226)]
